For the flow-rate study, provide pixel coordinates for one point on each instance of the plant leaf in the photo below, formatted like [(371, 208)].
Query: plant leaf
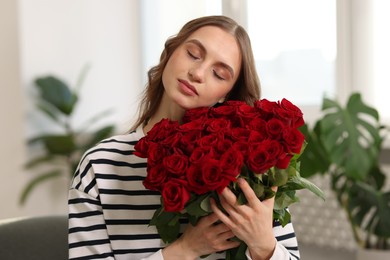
[(38, 161), (370, 206), (314, 158), (56, 144), (342, 132), (306, 184), (38, 180), (57, 93)]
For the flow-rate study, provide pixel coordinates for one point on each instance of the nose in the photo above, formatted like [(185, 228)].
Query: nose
[(196, 74)]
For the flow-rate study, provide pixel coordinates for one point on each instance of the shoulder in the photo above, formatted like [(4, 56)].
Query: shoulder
[(115, 150), (114, 145)]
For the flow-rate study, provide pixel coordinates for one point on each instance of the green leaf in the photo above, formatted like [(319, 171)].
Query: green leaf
[(370, 209), (306, 184), (167, 224), (314, 158), (237, 253), (278, 177), (38, 180), (56, 144), (284, 199), (39, 160), (283, 216), (48, 111), (342, 133), (57, 93), (194, 207)]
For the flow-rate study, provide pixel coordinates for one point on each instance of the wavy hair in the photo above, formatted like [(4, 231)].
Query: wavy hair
[(246, 88)]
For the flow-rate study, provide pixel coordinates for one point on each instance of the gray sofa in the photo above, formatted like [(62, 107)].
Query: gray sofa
[(33, 238)]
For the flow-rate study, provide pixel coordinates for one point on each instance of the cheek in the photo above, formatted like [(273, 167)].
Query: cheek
[(220, 90), (173, 66)]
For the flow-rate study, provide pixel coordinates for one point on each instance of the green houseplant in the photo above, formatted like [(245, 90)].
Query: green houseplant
[(60, 151), (346, 143)]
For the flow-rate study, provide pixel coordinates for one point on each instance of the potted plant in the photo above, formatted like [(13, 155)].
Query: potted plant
[(346, 143), (60, 151)]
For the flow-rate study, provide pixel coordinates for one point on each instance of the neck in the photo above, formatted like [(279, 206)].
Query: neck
[(167, 109)]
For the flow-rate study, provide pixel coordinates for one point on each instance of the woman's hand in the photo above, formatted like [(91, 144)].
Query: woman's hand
[(207, 237), (252, 223)]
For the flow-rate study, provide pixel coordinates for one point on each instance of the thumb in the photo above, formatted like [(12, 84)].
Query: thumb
[(270, 202)]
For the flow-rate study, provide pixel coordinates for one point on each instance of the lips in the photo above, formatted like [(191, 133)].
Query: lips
[(187, 88)]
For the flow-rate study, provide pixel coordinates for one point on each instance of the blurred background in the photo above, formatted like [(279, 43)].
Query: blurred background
[(305, 50)]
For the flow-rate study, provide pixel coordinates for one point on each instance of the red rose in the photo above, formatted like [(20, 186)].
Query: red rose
[(257, 124), (156, 153), (155, 178), (284, 161), (162, 129), (224, 111), (188, 141), (195, 125), (223, 145), (266, 108), (232, 162), (212, 175), (293, 112), (240, 134), (207, 176), (210, 140), (259, 159), (171, 140), (275, 128), (195, 179), (257, 137), (247, 113), (141, 148), (274, 149), (217, 125), (196, 113), (176, 164), (242, 146), (175, 195), (201, 152), (293, 139)]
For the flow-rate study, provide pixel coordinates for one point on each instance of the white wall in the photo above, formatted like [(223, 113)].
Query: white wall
[(11, 110), (59, 37)]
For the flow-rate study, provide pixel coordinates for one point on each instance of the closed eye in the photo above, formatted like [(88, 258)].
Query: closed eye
[(218, 76), (192, 55)]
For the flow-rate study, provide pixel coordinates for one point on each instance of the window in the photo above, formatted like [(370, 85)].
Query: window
[(381, 53), (294, 44)]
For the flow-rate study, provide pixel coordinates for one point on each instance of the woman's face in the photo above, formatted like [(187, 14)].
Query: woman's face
[(203, 69)]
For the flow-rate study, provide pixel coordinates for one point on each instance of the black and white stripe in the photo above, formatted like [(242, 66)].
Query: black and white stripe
[(109, 208)]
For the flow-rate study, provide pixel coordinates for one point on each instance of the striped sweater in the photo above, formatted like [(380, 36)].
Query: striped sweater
[(109, 208)]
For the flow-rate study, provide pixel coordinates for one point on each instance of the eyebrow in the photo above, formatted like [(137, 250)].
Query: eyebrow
[(203, 49)]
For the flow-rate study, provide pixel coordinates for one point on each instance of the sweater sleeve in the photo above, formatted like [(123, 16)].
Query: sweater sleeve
[(88, 236), (286, 243)]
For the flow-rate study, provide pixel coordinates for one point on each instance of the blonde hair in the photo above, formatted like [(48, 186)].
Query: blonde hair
[(246, 88)]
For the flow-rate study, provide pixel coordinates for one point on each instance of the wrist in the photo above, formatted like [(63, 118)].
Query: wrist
[(264, 252), (178, 250)]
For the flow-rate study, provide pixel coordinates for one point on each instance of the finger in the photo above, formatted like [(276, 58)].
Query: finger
[(225, 219), (208, 220), (270, 202), (248, 192), (229, 196)]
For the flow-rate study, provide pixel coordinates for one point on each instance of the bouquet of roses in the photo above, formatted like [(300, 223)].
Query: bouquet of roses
[(190, 162)]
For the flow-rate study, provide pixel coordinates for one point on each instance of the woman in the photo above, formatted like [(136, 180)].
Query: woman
[(209, 61)]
